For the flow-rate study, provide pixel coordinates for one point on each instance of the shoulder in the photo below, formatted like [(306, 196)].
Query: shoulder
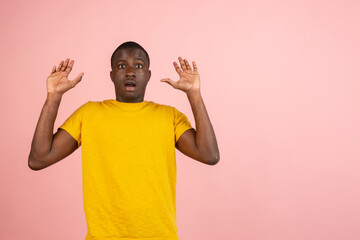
[(170, 111), (162, 107), (89, 105), (86, 107)]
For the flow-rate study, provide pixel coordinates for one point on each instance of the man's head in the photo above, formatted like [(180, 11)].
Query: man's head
[(127, 45), (130, 72)]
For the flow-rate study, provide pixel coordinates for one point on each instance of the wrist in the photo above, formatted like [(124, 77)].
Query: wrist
[(193, 92), (53, 97)]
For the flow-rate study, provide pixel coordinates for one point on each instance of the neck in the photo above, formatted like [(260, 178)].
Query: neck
[(129, 100)]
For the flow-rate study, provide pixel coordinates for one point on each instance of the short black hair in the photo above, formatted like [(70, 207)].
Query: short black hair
[(127, 45)]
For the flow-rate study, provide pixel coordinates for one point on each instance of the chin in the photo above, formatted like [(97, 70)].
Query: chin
[(130, 97)]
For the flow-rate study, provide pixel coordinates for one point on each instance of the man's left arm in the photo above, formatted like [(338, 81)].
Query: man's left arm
[(199, 144)]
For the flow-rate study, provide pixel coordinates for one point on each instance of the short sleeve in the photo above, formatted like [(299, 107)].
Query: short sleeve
[(181, 124), (73, 124)]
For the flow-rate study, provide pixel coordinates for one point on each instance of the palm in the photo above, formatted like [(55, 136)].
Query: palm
[(189, 78), (58, 81)]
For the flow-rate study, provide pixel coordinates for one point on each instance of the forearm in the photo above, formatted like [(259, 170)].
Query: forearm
[(43, 136), (205, 135)]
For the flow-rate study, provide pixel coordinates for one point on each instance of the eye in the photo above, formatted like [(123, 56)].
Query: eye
[(139, 65), (121, 66)]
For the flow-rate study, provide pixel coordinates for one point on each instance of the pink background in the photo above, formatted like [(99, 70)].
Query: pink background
[(280, 80)]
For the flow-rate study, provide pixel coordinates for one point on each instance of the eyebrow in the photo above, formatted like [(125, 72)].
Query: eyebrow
[(135, 59), (139, 59)]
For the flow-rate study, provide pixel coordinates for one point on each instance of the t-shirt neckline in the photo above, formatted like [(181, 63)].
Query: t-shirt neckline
[(128, 106)]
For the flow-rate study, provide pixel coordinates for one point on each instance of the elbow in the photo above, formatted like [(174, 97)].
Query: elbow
[(32, 167), (215, 160), (212, 159), (33, 163)]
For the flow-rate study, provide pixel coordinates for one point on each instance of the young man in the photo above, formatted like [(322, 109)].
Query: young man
[(128, 146)]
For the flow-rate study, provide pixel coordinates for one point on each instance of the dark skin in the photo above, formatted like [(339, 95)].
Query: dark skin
[(130, 65)]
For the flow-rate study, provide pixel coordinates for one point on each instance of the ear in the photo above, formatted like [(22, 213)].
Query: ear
[(149, 75), (111, 76)]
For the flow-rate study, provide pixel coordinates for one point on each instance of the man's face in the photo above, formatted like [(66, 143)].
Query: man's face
[(130, 74)]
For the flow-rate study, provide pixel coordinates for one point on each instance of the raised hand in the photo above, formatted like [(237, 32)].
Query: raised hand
[(58, 82), (189, 78)]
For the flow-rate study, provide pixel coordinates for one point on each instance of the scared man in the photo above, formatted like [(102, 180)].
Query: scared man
[(128, 146)]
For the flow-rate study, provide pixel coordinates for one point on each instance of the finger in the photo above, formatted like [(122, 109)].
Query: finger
[(77, 80), (177, 68), (60, 65), (53, 69), (183, 67), (70, 66), (188, 67), (169, 81), (65, 65), (194, 66)]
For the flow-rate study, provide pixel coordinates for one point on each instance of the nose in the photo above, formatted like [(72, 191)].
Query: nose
[(130, 72)]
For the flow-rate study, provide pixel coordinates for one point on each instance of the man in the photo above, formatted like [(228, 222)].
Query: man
[(128, 146)]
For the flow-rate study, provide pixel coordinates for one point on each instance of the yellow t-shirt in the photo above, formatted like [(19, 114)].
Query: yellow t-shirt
[(129, 168)]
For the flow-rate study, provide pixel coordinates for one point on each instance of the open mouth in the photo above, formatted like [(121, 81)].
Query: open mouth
[(130, 86)]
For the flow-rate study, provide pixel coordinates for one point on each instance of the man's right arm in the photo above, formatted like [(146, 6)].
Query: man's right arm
[(48, 148)]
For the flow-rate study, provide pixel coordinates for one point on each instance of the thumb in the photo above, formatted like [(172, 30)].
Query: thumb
[(77, 79), (169, 81)]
